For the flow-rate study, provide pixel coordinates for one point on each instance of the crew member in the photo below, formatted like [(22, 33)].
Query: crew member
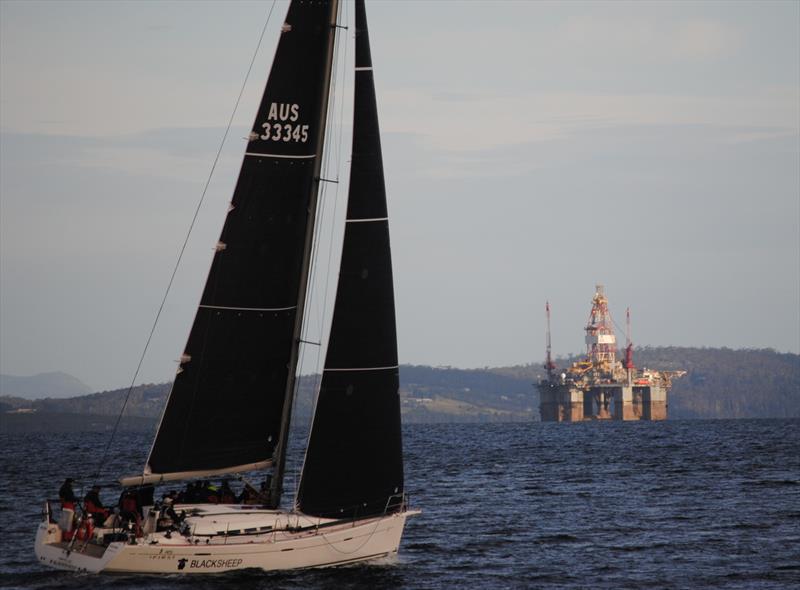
[(169, 518), (249, 495), (129, 511), (94, 506), (226, 495), (66, 495), (265, 493), (209, 493)]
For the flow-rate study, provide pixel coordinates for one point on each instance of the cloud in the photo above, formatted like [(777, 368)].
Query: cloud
[(699, 39), (645, 39), (488, 121)]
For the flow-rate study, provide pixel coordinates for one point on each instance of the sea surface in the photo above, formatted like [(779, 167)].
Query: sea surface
[(676, 504)]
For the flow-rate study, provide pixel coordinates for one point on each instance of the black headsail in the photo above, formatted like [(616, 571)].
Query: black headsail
[(229, 398), (354, 464)]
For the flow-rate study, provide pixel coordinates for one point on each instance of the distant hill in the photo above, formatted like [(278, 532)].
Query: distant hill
[(145, 401), (56, 385), (720, 383), (726, 383), (445, 394)]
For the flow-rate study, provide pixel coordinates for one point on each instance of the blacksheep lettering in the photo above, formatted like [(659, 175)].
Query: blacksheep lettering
[(214, 563)]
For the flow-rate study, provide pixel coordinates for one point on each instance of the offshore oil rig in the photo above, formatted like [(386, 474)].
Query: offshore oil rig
[(599, 387)]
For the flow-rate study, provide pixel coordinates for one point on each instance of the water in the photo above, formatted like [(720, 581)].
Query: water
[(677, 504)]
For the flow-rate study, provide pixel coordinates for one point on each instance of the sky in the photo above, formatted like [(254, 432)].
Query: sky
[(532, 150)]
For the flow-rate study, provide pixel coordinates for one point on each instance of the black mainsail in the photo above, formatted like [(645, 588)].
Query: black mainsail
[(228, 408), (354, 464)]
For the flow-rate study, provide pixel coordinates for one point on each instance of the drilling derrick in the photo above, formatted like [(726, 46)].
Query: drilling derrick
[(601, 343), (599, 387)]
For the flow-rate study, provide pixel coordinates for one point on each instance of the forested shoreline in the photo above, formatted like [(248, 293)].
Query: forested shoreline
[(720, 383)]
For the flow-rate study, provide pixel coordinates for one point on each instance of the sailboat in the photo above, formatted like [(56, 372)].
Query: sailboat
[(229, 410)]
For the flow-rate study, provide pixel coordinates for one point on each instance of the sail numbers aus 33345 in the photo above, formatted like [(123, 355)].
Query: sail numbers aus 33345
[(281, 124)]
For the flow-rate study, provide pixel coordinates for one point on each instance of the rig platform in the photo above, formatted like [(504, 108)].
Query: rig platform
[(600, 387)]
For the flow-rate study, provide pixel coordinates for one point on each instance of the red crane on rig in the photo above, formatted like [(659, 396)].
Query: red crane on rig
[(628, 362)]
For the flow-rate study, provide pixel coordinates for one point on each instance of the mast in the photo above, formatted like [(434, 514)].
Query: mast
[(280, 451)]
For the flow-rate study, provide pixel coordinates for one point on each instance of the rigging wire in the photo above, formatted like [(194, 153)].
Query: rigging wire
[(335, 147), (329, 265), (335, 150), (332, 150), (185, 242), (339, 152), (622, 330)]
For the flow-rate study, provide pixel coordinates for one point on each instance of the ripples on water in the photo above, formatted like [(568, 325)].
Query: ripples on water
[(684, 504)]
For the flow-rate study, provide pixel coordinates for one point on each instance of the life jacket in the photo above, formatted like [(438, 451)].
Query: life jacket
[(92, 507), (86, 530)]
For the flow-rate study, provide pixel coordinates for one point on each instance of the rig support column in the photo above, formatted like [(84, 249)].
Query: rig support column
[(561, 404), (654, 400), (624, 408)]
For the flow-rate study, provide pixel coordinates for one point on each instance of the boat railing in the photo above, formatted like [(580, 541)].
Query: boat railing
[(47, 510), (395, 503)]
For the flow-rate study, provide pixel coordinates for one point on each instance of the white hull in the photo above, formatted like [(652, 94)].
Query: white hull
[(294, 541)]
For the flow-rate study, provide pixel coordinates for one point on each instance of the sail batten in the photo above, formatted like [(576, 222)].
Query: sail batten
[(367, 219), (362, 368), (354, 464), (287, 156), (287, 308)]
